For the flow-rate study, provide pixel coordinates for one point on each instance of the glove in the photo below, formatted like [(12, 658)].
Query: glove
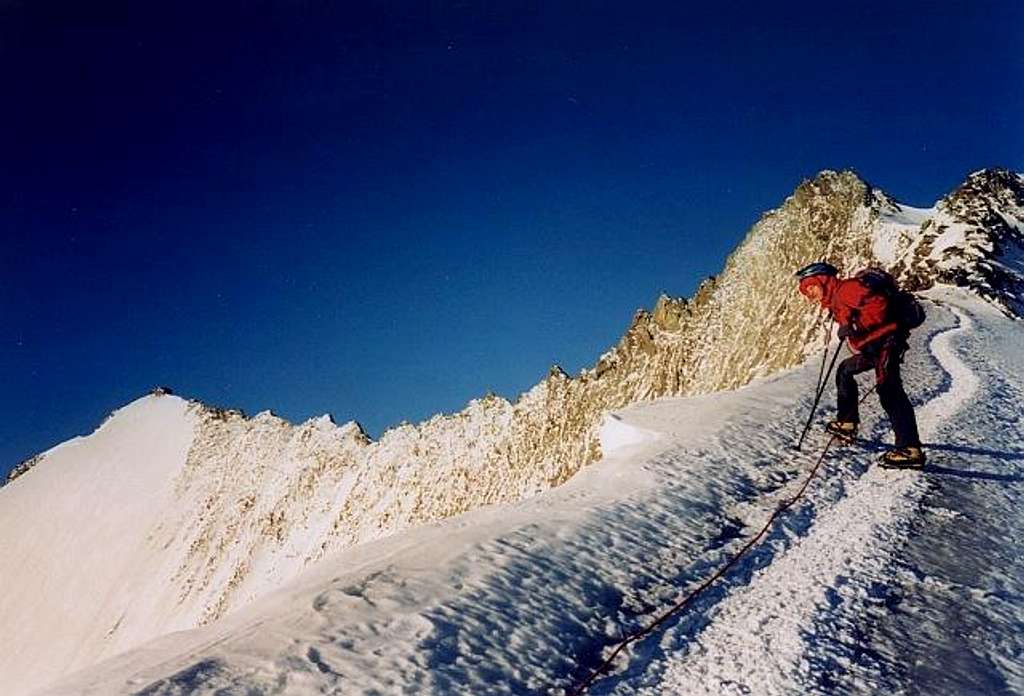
[(845, 332)]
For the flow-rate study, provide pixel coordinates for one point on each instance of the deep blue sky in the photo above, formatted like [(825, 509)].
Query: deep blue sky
[(382, 213)]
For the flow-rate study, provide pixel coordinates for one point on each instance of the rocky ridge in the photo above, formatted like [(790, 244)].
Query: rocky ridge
[(975, 240)]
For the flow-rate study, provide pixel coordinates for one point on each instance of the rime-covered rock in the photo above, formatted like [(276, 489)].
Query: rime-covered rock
[(975, 239)]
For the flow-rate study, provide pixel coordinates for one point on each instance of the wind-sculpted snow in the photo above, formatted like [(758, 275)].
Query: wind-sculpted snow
[(853, 592)]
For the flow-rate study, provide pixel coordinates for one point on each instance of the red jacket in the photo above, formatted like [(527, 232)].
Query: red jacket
[(858, 309)]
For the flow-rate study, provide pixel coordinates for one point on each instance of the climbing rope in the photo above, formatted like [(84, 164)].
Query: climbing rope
[(678, 606)]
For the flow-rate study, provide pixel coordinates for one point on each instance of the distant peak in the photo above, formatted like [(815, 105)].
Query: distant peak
[(848, 174), (829, 182), (151, 407), (995, 173), (830, 190), (557, 373), (324, 419), (151, 397), (354, 430), (994, 188), (993, 180)]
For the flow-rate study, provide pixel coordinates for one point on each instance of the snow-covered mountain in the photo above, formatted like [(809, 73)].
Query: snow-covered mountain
[(874, 582), (174, 514)]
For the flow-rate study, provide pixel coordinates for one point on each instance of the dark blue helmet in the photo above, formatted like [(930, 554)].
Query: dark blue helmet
[(817, 268)]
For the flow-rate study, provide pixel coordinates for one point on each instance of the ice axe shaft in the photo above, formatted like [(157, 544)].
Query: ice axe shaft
[(821, 390)]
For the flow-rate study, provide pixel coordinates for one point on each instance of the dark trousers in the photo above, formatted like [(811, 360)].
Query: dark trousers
[(884, 358)]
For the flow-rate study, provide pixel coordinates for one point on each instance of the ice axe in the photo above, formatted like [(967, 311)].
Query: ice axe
[(823, 378)]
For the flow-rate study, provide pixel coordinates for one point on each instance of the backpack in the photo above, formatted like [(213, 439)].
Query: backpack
[(904, 308)]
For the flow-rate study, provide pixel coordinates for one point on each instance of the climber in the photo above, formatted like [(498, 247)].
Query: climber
[(875, 318)]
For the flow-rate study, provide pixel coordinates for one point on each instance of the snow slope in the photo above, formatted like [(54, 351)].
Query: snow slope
[(102, 559), (876, 582)]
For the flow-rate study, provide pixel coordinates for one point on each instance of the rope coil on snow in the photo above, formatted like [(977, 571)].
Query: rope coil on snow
[(637, 635)]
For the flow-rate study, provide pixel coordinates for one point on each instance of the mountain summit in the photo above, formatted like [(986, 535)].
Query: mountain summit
[(174, 514), (974, 238)]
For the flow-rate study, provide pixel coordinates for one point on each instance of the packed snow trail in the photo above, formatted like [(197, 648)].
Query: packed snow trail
[(947, 614), (758, 636), (514, 599)]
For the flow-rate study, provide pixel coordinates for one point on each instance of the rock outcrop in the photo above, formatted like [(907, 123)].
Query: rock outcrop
[(975, 240)]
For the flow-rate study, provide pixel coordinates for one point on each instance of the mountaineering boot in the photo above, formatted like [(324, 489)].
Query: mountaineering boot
[(844, 430), (903, 458)]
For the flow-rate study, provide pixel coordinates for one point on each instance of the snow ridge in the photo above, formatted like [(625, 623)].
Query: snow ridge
[(758, 636), (520, 599)]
